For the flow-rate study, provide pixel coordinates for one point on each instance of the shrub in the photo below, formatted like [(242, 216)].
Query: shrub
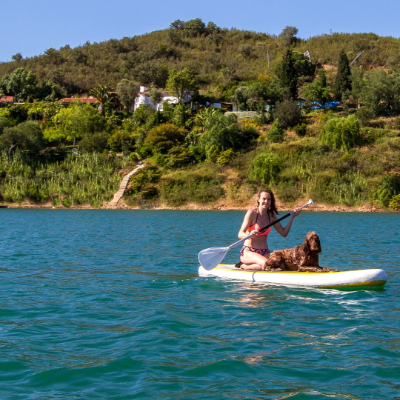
[(301, 130), (120, 141), (178, 156), (164, 137), (395, 202), (341, 133), (265, 167), (288, 113), (226, 157), (133, 157), (388, 188), (94, 143), (276, 133)]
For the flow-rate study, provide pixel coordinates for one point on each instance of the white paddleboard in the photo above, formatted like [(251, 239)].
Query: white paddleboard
[(357, 279)]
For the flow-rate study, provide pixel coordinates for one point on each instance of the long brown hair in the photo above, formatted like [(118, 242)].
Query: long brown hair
[(272, 207)]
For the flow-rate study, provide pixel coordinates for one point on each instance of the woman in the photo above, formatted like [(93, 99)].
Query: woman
[(255, 253)]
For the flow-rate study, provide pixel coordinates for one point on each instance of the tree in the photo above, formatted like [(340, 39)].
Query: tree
[(288, 35), (341, 133), (165, 136), (223, 133), (264, 168), (95, 143), (181, 84), (381, 91), (288, 113), (49, 91), (194, 28), (343, 77), (251, 97), (127, 92), (156, 96), (17, 57), (27, 136), (103, 94), (21, 84), (287, 74), (276, 133), (318, 90), (74, 122)]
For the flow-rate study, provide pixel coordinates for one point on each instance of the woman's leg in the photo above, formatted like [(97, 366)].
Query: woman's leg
[(254, 261)]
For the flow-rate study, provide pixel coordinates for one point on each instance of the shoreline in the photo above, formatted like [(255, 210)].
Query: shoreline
[(318, 207)]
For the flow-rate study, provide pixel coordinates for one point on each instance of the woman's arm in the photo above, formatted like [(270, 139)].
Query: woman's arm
[(284, 231), (246, 223)]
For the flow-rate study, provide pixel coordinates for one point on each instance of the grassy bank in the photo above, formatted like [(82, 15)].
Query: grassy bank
[(76, 180)]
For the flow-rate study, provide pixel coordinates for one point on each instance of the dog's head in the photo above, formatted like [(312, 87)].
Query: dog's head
[(312, 242)]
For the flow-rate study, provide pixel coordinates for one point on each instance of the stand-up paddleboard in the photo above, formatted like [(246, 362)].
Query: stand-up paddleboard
[(358, 279)]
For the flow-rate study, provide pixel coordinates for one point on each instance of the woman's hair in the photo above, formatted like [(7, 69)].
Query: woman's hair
[(272, 207)]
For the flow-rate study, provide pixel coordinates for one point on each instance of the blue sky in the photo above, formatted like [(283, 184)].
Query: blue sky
[(31, 27)]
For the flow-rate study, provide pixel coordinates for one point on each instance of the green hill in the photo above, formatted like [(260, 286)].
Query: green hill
[(215, 55), (339, 143)]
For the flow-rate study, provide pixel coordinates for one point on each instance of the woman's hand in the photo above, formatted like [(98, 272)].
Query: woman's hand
[(297, 211)]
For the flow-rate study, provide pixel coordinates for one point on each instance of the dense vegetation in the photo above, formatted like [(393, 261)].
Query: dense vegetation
[(67, 155)]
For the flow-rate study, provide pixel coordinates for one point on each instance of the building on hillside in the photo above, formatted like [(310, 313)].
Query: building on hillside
[(87, 100), (143, 97), (6, 100), (222, 104)]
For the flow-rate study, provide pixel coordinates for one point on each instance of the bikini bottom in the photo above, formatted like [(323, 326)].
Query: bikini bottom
[(262, 252)]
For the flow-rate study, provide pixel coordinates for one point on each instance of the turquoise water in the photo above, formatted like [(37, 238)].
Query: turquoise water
[(108, 304)]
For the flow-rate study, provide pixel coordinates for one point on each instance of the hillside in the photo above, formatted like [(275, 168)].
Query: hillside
[(215, 55), (339, 142)]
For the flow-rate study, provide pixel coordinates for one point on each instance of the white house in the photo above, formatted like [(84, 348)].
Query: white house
[(143, 97)]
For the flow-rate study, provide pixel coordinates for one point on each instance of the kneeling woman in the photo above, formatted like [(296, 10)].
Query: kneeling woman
[(255, 253)]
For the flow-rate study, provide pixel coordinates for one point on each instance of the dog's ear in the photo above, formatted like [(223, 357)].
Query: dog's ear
[(319, 244), (305, 247)]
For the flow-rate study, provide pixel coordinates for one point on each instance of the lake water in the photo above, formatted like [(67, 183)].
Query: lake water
[(108, 304)]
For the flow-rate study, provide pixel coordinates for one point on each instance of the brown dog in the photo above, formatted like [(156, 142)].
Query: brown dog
[(301, 258)]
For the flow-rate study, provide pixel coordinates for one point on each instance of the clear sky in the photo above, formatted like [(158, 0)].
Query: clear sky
[(31, 27)]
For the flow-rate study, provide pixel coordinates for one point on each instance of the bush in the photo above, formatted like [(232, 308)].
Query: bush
[(133, 157), (226, 157), (178, 156), (341, 133), (121, 141), (276, 133), (288, 113), (164, 137), (95, 143), (395, 202), (25, 136), (301, 130), (364, 115), (387, 189), (264, 168)]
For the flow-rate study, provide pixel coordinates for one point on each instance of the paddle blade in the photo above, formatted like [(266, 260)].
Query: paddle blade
[(210, 258)]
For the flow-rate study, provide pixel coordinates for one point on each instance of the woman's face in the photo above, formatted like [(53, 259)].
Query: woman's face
[(264, 201)]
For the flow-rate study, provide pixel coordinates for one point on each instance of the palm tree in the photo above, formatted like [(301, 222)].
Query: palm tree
[(103, 94)]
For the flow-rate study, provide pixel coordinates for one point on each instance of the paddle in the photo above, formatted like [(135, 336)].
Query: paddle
[(210, 258)]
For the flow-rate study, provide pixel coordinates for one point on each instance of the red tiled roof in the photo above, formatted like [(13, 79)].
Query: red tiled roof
[(7, 99), (74, 100)]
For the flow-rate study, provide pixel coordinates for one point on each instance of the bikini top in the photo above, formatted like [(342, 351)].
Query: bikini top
[(257, 227)]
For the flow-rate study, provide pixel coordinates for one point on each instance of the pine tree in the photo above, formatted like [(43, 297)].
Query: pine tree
[(287, 73), (343, 77)]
